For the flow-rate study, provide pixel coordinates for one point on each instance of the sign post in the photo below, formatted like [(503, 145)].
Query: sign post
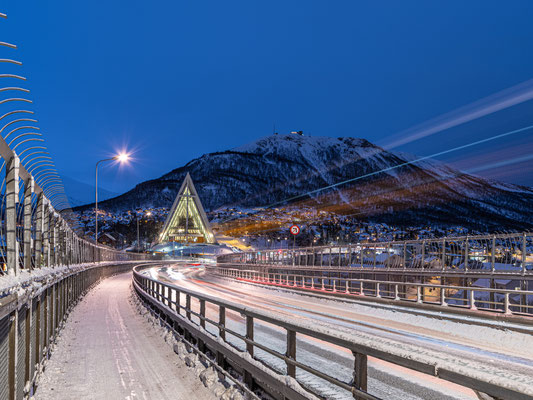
[(295, 230)]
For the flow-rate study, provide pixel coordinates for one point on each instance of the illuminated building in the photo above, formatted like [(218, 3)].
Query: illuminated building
[(187, 221)]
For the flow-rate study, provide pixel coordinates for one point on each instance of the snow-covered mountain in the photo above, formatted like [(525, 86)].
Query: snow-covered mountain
[(387, 189), (82, 193)]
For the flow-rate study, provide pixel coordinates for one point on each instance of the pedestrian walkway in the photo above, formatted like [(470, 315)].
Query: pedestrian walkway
[(108, 351)]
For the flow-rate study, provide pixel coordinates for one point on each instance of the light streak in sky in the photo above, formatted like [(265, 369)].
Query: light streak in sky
[(507, 162), (496, 102), (500, 164)]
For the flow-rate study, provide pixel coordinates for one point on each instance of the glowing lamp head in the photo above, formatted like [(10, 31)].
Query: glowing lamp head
[(122, 157)]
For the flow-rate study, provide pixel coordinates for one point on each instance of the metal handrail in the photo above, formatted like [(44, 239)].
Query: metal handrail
[(487, 252), (167, 297), (410, 241), (299, 281)]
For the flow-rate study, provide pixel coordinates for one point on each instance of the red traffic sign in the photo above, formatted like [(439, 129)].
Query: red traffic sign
[(295, 229)]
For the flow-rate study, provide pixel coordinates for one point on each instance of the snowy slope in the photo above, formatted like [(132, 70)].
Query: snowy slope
[(279, 167), (82, 193)]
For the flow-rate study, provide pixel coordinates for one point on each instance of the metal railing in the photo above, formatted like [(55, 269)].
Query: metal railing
[(30, 321), (518, 302), (512, 253), (206, 320), (33, 233)]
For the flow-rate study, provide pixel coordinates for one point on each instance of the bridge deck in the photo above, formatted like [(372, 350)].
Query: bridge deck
[(108, 351)]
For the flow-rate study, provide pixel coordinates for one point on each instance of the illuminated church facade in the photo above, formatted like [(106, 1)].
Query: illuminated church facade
[(187, 222)]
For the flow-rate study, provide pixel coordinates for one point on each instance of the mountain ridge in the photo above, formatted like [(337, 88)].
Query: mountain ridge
[(388, 186)]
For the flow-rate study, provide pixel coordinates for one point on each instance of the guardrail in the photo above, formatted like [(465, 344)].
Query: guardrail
[(518, 302), (30, 320), (512, 253), (204, 320), (33, 234)]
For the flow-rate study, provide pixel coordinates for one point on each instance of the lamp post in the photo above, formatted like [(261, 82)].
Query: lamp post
[(123, 157), (138, 237)]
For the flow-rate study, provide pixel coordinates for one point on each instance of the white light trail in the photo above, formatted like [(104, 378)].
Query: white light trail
[(496, 102), (500, 164)]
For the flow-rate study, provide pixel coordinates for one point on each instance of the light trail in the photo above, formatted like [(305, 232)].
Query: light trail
[(485, 348), (496, 102), (500, 164)]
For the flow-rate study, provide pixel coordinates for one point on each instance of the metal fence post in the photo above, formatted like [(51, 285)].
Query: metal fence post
[(443, 254), (28, 342), (188, 306), (221, 332), (467, 253), (250, 334), (524, 253), (66, 244), (52, 237), (506, 305), (28, 192), (472, 299), (62, 243), (202, 313), (12, 195), (360, 378), (55, 242), (46, 233), (291, 352), (39, 217), (12, 357), (493, 255), (222, 322), (70, 246), (423, 254), (404, 256)]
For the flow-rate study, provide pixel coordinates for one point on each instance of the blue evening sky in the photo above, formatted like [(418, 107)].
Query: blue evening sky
[(176, 79)]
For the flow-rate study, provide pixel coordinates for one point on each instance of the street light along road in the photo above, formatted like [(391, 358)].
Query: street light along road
[(121, 158), (148, 213)]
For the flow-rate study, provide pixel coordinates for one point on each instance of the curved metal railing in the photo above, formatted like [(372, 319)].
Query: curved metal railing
[(512, 253), (210, 322), (35, 226)]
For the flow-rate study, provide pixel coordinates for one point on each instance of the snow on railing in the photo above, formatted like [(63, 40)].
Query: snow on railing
[(506, 301), (210, 322), (32, 311)]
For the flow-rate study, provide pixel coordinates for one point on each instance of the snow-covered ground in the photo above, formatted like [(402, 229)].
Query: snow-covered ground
[(107, 350), (480, 349)]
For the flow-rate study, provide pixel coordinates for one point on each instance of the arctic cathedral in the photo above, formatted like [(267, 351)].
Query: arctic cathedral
[(187, 222)]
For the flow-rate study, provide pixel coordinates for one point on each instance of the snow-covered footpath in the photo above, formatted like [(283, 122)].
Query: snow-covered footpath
[(108, 350)]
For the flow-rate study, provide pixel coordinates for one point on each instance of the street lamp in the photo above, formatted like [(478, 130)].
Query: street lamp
[(138, 238), (122, 157)]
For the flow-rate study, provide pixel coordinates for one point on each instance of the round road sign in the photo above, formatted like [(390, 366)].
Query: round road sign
[(295, 229)]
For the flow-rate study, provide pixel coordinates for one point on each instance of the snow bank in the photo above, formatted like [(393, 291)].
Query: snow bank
[(32, 280)]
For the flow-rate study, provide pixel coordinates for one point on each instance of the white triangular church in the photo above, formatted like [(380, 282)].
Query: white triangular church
[(187, 221)]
